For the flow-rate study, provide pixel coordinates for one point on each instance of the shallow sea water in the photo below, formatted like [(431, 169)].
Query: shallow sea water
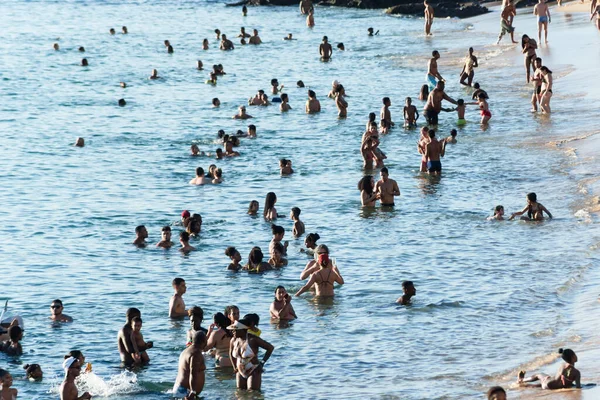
[(490, 296)]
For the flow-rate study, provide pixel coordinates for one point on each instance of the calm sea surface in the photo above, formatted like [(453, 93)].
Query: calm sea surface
[(489, 295)]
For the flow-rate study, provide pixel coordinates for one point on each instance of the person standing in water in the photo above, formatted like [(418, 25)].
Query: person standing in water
[(434, 103), (385, 115), (542, 11), (141, 234), (325, 49), (243, 353), (56, 312), (386, 188), (432, 71), (310, 18), (323, 274), (428, 18), (126, 346), (408, 289), (566, 376), (546, 89), (537, 84), (433, 151), (68, 389), (281, 308), (191, 370), (177, 305), (468, 70), (535, 211)]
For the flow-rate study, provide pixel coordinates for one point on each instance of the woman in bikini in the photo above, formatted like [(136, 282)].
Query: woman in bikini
[(535, 211), (546, 90), (528, 45), (269, 211), (218, 338), (565, 378), (324, 274), (340, 102), (243, 352), (468, 71), (367, 195)]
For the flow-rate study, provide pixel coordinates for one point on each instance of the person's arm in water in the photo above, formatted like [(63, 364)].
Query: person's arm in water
[(308, 285), (518, 213)]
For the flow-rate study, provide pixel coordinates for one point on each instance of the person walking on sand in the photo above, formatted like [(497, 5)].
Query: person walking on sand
[(542, 11), (468, 71), (506, 22), (428, 18)]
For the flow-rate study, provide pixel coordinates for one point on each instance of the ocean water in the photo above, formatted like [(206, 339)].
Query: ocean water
[(490, 296)]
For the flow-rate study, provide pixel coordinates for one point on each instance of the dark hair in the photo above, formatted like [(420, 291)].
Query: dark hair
[(122, 102), (453, 132), (177, 281), (284, 96), (196, 311), (311, 93), (256, 256), (199, 171), (185, 236), (407, 284), (538, 59), (252, 127), (170, 49), (59, 301), (296, 211), (481, 95), (385, 100), (14, 332), (132, 312), (138, 229), (498, 208), (300, 84), (476, 85), (137, 319), (325, 38), (545, 69), (274, 81), (424, 91), (75, 354), (279, 247), (372, 117), (244, 321), (470, 49), (270, 200), (433, 53), (219, 151), (523, 40), (214, 101), (366, 184), (230, 251), (252, 319), (277, 230), (313, 237), (30, 368), (217, 31), (494, 391), (218, 172), (532, 197), (461, 102), (566, 354), (432, 133), (385, 170), (229, 308), (199, 337), (222, 322), (3, 372)]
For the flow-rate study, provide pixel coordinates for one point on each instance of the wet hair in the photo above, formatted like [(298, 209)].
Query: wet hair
[(122, 102), (532, 197), (385, 170), (545, 69), (199, 337), (385, 100), (185, 236), (370, 29), (476, 85), (300, 84), (31, 368), (481, 95), (498, 208), (137, 319), (313, 237), (538, 59), (222, 322), (251, 203), (197, 312), (217, 31), (453, 132), (166, 228), (284, 96), (138, 229), (261, 91), (424, 91), (214, 101), (470, 49), (230, 251), (277, 230), (219, 151), (84, 62), (460, 102), (3, 373), (325, 38), (311, 93), (566, 354), (340, 46), (132, 312), (252, 127), (14, 332), (433, 53), (75, 354), (82, 49), (366, 184), (199, 171), (252, 319), (372, 117), (296, 211), (229, 309), (59, 301), (218, 173), (407, 284), (384, 124), (283, 162), (177, 281), (274, 82), (408, 99), (373, 124), (270, 200), (493, 391), (256, 256), (170, 49), (432, 133), (220, 133)]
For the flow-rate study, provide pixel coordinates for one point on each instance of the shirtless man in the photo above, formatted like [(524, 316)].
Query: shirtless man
[(428, 18), (68, 389), (325, 49), (386, 188), (243, 33), (506, 21), (200, 179), (56, 309), (141, 234), (432, 71), (434, 103), (386, 115), (242, 113), (126, 347), (468, 71), (433, 151), (305, 6), (537, 84), (165, 240), (154, 74), (254, 39), (226, 44), (190, 376), (177, 305), (408, 289), (184, 240), (542, 11), (312, 104)]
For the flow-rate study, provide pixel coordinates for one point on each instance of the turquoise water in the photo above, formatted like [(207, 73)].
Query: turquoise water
[(489, 295)]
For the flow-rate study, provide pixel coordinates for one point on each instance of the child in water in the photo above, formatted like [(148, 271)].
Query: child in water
[(12, 347), (298, 229), (535, 211), (452, 138), (253, 207), (461, 107), (141, 357), (498, 214), (411, 115), (486, 115)]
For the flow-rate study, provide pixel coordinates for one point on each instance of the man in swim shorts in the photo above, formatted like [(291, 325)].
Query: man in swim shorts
[(434, 103), (506, 20), (433, 151), (543, 14), (432, 71), (386, 188), (191, 373)]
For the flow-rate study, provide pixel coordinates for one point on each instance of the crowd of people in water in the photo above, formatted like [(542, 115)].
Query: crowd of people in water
[(235, 342)]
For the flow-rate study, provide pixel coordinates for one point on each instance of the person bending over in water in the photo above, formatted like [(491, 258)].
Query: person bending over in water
[(33, 372), (323, 274), (477, 91), (367, 194), (535, 211), (542, 11), (56, 312), (191, 370), (325, 49), (468, 71), (281, 308), (298, 229), (312, 104), (141, 234), (496, 393), (235, 258), (243, 353), (177, 305), (386, 188), (165, 240), (68, 389), (242, 113), (498, 214), (139, 357), (253, 208), (411, 115), (285, 167), (219, 338), (565, 378), (408, 288)]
